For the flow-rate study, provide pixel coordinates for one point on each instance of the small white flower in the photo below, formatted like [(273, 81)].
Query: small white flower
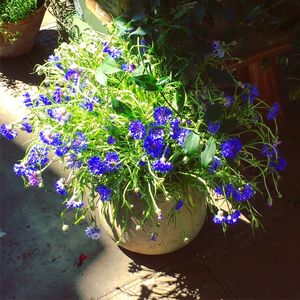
[(65, 227)]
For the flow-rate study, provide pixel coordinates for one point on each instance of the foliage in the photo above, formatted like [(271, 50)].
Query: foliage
[(121, 119)]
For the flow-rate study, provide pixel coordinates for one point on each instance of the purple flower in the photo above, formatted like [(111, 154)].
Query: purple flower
[(112, 161), (153, 236), (60, 186), (27, 100), (162, 115), (219, 218), (215, 164), (79, 143), (50, 138), (73, 74), (179, 205), (111, 140), (59, 114), (128, 68), (104, 192), (161, 165), (57, 95), (26, 127), (20, 169), (231, 148), (229, 101), (137, 130), (96, 166), (233, 218), (8, 132), (61, 151), (269, 151), (111, 51), (93, 232), (279, 164), (89, 103), (38, 156), (34, 178), (273, 111), (73, 162), (154, 146), (178, 133), (45, 100), (217, 49), (243, 194), (250, 92), (74, 202), (213, 127)]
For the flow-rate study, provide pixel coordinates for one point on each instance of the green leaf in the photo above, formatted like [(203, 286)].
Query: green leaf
[(100, 76), (294, 93), (139, 31), (191, 143), (121, 108), (138, 71), (208, 153), (147, 82), (180, 98), (109, 66)]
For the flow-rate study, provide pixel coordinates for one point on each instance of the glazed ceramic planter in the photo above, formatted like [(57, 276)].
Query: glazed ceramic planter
[(26, 31), (170, 237)]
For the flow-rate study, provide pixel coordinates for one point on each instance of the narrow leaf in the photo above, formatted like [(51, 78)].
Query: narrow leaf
[(208, 153)]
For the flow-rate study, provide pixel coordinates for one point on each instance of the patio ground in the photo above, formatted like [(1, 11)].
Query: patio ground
[(39, 261)]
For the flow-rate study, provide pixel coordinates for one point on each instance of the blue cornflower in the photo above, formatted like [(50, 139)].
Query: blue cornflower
[(112, 161), (153, 236), (89, 103), (20, 169), (61, 151), (45, 100), (162, 115), (111, 51), (219, 218), (111, 140), (72, 74), (73, 162), (60, 186), (228, 188), (34, 178), (213, 127), (233, 218), (79, 143), (156, 131), (50, 138), (93, 232), (229, 101), (250, 92), (104, 192), (57, 95), (215, 164), (243, 194), (161, 165), (154, 146), (74, 202), (59, 114), (137, 130), (96, 166), (269, 151), (231, 148), (273, 111), (178, 133), (128, 68), (219, 190), (279, 164), (26, 126), (179, 204), (27, 100), (55, 58), (38, 155), (217, 49), (8, 132)]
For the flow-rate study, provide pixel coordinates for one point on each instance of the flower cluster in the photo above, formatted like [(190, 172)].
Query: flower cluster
[(122, 126)]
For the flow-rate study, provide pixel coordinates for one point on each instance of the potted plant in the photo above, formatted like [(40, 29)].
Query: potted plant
[(145, 154), (19, 24)]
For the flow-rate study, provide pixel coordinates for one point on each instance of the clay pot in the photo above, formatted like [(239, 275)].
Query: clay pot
[(171, 235), (26, 31)]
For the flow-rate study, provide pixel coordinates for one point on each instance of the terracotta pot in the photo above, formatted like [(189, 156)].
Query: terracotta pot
[(171, 235), (26, 31)]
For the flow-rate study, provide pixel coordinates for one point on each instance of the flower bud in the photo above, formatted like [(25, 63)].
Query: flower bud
[(65, 227), (138, 227), (186, 240)]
